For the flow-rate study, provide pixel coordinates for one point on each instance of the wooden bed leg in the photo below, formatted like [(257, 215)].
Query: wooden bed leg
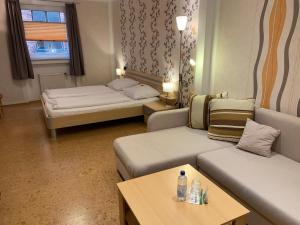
[(53, 134)]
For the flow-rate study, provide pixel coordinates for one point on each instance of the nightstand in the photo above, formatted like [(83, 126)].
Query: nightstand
[(168, 99), (155, 107)]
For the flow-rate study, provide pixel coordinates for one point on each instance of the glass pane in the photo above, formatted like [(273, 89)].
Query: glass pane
[(31, 47), (39, 16), (26, 15), (53, 17), (62, 17), (44, 50)]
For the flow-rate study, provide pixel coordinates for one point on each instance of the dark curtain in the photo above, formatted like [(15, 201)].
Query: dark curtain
[(19, 54), (76, 55)]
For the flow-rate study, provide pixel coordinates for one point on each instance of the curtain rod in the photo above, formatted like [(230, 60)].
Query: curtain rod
[(39, 2), (62, 1)]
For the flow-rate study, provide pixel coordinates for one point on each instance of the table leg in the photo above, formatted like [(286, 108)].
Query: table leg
[(122, 209), (53, 134), (1, 109), (240, 221)]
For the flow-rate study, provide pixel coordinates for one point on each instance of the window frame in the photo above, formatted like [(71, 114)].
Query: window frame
[(59, 9), (46, 15)]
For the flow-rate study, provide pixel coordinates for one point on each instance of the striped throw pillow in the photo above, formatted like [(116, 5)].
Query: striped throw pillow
[(228, 118), (198, 113)]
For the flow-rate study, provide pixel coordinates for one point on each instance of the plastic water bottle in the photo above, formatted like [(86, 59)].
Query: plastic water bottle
[(181, 186)]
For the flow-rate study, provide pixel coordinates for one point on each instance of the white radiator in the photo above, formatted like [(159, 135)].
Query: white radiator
[(52, 81)]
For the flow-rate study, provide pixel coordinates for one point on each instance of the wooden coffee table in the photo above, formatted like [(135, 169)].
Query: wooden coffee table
[(151, 199)]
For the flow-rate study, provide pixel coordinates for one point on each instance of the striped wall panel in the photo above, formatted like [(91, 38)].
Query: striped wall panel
[(277, 67)]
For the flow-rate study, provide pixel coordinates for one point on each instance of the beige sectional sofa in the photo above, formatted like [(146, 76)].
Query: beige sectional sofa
[(269, 186)]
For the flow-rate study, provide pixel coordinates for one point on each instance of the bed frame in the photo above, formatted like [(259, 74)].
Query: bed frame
[(54, 123)]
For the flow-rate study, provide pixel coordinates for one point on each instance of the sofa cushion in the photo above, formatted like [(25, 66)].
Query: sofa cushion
[(258, 138), (146, 153), (269, 185), (228, 118), (288, 142), (198, 114)]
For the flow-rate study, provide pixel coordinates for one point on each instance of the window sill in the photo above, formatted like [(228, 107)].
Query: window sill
[(47, 62)]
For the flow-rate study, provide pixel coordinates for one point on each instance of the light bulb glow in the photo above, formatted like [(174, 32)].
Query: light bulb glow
[(192, 62), (181, 22), (119, 72), (167, 87)]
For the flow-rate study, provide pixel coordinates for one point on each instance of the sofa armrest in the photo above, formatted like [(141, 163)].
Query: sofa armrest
[(168, 119)]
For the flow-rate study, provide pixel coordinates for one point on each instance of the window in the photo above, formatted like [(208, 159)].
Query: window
[(53, 17), (46, 34), (39, 16)]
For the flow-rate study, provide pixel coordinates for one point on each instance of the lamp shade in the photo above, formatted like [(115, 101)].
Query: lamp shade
[(181, 22), (119, 72), (167, 87)]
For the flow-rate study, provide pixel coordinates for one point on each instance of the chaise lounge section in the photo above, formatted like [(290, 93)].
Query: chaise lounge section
[(162, 148), (269, 186)]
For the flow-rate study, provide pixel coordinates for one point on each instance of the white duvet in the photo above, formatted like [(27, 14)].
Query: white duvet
[(88, 100), (77, 91)]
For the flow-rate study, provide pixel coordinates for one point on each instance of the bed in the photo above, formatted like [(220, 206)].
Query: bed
[(87, 113)]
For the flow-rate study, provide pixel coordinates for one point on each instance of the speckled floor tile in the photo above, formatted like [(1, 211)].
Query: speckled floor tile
[(71, 181)]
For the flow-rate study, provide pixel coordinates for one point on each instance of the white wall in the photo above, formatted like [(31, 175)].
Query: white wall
[(97, 41), (208, 13), (235, 47), (16, 91), (13, 91), (96, 34), (115, 8)]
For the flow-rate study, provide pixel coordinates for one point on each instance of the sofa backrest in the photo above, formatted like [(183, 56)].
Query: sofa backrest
[(288, 143)]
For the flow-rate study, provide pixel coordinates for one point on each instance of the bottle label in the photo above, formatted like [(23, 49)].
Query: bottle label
[(181, 191)]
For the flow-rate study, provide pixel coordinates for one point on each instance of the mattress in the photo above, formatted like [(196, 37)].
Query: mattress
[(89, 101), (77, 91), (77, 111)]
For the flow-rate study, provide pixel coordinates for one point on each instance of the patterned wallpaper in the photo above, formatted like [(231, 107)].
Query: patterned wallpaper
[(150, 39), (276, 70), (257, 53)]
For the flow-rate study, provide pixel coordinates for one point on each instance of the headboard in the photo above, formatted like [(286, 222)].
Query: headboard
[(152, 80)]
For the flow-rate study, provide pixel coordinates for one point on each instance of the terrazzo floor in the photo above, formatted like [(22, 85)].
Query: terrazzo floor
[(71, 181)]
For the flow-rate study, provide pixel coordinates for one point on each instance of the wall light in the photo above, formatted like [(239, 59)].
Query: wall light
[(181, 22), (119, 72), (192, 62)]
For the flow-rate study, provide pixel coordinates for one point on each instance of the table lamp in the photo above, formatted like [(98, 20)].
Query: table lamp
[(167, 87)]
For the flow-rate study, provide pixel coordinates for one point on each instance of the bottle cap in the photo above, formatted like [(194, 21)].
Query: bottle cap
[(182, 172)]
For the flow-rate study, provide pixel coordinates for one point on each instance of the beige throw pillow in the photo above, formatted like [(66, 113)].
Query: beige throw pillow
[(258, 138), (199, 111)]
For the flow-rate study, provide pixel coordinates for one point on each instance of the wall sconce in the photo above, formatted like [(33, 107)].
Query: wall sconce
[(192, 62), (119, 72)]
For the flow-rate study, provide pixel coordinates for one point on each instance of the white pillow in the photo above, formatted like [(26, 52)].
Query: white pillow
[(141, 91), (121, 84), (258, 138)]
